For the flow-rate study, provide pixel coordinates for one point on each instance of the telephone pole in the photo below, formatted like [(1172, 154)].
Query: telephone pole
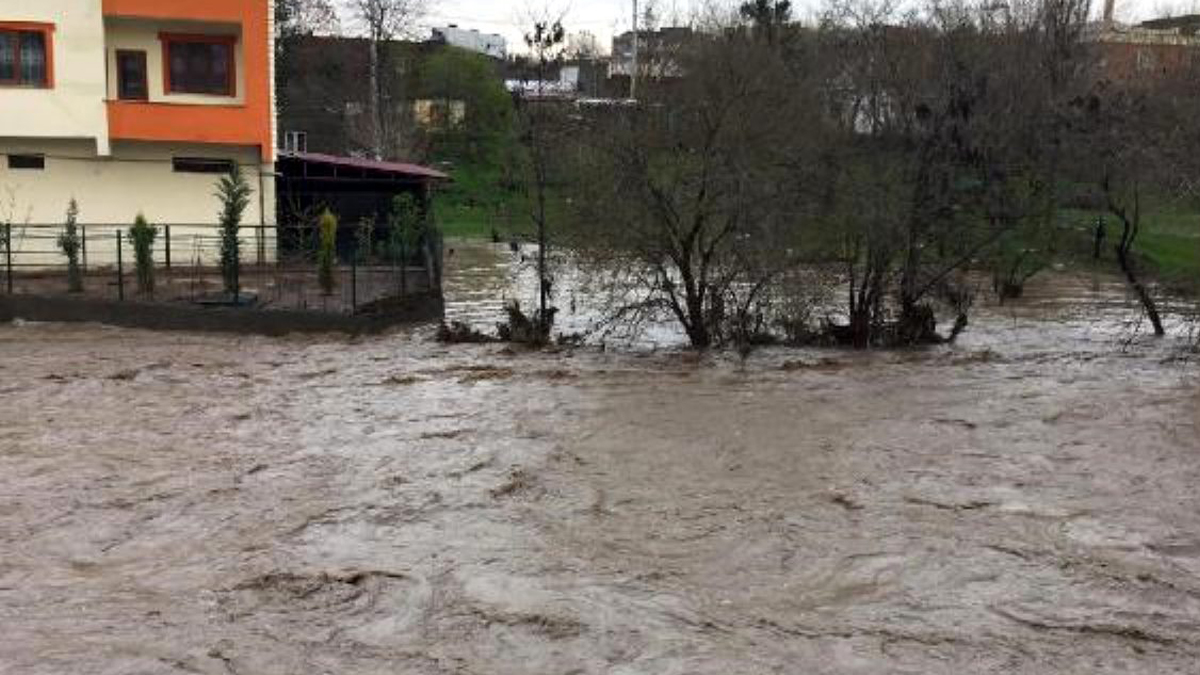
[(633, 75)]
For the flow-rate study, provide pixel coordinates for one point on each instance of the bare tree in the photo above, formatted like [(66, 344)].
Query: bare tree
[(947, 143), (305, 17), (767, 16), (383, 21), (1134, 138), (545, 42), (685, 200)]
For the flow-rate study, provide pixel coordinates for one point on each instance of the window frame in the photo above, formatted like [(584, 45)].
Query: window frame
[(295, 141), (230, 41), (15, 28), (141, 55)]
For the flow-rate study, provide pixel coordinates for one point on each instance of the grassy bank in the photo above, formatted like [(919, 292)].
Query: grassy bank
[(478, 206), (1169, 243)]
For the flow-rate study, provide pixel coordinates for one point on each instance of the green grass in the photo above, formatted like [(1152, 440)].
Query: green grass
[(458, 220), (1176, 257), (1169, 242), (477, 204)]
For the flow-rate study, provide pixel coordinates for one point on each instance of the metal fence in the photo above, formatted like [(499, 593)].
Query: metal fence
[(277, 269)]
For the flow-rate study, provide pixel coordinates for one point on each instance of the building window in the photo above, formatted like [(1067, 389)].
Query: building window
[(200, 64), (201, 165), (26, 55), (131, 76), (29, 162), (295, 141)]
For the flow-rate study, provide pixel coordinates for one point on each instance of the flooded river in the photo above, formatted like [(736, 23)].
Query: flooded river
[(1024, 502)]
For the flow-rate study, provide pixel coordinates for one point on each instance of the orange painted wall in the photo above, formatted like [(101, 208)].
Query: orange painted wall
[(248, 124)]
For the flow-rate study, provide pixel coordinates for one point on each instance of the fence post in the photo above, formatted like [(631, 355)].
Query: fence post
[(120, 270), (167, 235), (237, 272), (83, 245), (354, 282), (8, 255)]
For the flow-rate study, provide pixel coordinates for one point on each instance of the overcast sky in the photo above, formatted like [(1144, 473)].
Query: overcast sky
[(603, 18)]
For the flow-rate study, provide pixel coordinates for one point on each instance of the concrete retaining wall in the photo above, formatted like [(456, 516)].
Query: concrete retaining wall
[(187, 317)]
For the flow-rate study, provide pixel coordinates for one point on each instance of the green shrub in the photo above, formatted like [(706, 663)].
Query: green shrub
[(234, 193), (142, 235), (71, 244), (327, 252)]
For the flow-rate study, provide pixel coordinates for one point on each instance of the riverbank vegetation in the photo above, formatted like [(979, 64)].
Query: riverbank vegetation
[(909, 161)]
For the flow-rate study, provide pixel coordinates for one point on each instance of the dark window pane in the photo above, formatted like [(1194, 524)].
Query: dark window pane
[(201, 67), (26, 162), (33, 58), (201, 165), (131, 76), (8, 57)]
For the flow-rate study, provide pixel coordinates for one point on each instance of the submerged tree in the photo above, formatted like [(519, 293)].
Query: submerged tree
[(234, 193), (545, 41), (686, 202), (950, 129)]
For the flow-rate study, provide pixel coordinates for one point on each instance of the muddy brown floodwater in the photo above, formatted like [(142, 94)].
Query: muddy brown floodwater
[(1025, 502)]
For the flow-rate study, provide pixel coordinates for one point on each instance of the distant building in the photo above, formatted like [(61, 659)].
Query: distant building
[(1152, 48), (488, 44), (439, 114), (657, 53), (542, 90)]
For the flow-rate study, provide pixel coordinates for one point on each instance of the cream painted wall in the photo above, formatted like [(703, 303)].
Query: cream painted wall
[(74, 108), (142, 35), (137, 178)]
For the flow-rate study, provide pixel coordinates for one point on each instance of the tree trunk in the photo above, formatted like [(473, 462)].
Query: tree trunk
[(860, 327), (698, 335), (1131, 226), (1140, 290)]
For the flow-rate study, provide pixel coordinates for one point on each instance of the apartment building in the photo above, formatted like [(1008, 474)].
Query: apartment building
[(488, 44), (134, 106)]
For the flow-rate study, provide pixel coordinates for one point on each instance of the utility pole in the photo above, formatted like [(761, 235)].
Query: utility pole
[(633, 75)]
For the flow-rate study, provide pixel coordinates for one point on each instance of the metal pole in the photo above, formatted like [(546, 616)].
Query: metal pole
[(83, 245), (167, 235), (633, 75), (354, 282), (237, 269), (120, 270), (8, 254)]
